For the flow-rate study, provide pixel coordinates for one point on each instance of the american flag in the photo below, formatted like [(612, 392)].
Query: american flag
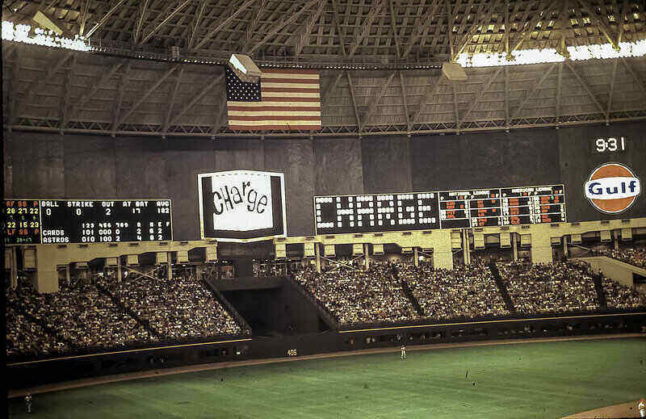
[(283, 99)]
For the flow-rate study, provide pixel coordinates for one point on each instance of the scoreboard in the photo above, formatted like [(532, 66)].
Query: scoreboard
[(434, 210), (21, 221), (85, 221)]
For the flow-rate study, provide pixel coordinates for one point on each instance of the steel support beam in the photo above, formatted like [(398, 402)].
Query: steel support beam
[(40, 84), (600, 24), (94, 87), (430, 91), (365, 28), (171, 99), (402, 85), (559, 86), (537, 17), (455, 108), (304, 37), (105, 18), (67, 89), (278, 27), (481, 93), (116, 116), (585, 87), (640, 82), (374, 102), (224, 22), (164, 21), (339, 30), (83, 16), (464, 42), (197, 97), (354, 100), (393, 25), (420, 26), (613, 79), (196, 23), (533, 90), (147, 93), (332, 85)]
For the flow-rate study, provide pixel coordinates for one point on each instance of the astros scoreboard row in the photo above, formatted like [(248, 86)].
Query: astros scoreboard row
[(86, 221), (443, 209)]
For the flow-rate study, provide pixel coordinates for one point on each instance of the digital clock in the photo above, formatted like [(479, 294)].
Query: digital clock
[(610, 144)]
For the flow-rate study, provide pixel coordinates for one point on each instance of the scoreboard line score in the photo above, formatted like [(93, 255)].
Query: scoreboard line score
[(437, 210), (86, 221)]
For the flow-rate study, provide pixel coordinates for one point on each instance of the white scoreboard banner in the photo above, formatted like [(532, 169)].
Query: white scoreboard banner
[(241, 205)]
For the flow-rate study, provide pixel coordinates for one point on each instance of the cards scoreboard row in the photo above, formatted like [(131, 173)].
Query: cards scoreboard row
[(435, 210), (82, 221)]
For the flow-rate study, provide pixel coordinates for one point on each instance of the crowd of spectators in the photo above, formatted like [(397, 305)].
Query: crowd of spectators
[(266, 268), (355, 296), (103, 313), (619, 296), (80, 315), (635, 256), (548, 288), (137, 311), (465, 292), (25, 337), (179, 308)]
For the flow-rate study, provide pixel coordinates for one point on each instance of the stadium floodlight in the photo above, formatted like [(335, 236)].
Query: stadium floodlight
[(605, 51), (245, 68), (528, 56), (38, 36), (552, 55), (45, 22)]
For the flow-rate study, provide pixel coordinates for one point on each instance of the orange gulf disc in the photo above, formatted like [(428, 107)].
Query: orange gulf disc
[(612, 205)]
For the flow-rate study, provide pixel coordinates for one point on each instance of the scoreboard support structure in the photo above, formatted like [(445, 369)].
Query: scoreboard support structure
[(45, 259), (466, 249), (11, 260), (317, 252), (537, 239)]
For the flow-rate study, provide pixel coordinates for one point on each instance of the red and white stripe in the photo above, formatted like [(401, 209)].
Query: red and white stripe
[(291, 100)]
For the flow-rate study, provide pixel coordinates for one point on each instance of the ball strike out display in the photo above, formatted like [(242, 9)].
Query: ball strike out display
[(86, 221)]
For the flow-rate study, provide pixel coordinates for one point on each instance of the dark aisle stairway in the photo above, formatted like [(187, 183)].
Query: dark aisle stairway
[(501, 287)]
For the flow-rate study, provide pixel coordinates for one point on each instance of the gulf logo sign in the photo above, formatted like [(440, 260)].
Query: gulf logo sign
[(612, 188)]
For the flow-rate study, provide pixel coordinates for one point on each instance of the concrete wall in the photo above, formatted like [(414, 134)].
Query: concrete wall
[(615, 270)]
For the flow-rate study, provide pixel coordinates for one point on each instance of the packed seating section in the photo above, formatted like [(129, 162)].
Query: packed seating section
[(27, 338), (178, 309), (549, 289), (102, 313), (635, 256), (465, 293), (138, 311), (355, 296)]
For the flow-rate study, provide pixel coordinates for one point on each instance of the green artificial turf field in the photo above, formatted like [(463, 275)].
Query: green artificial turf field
[(522, 380)]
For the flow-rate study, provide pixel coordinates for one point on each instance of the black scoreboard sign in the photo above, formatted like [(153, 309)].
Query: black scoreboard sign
[(434, 210), (21, 221), (83, 221)]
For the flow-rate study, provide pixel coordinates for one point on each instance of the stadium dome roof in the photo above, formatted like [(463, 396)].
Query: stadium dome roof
[(337, 33)]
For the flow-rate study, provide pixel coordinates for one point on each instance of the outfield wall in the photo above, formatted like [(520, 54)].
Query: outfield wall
[(38, 165)]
